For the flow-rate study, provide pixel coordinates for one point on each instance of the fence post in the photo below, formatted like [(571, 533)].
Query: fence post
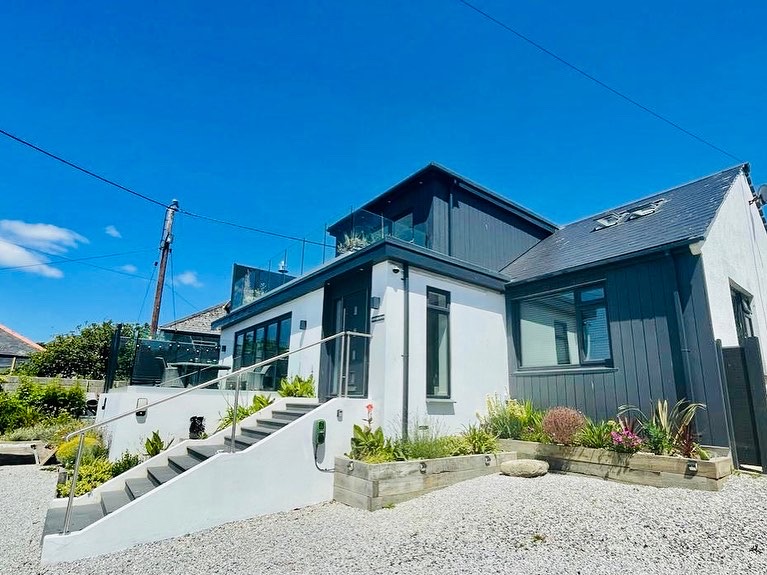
[(232, 447), (755, 376)]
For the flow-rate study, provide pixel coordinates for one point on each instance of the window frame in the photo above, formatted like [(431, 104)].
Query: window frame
[(442, 310), (579, 306), (254, 329)]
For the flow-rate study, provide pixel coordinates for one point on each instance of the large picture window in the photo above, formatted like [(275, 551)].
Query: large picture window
[(567, 328), (437, 344), (263, 341)]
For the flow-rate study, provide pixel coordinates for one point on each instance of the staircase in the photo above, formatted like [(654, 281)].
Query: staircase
[(198, 484), (251, 432)]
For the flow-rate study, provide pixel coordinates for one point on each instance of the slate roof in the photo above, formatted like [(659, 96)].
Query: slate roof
[(198, 322), (13, 344), (684, 217)]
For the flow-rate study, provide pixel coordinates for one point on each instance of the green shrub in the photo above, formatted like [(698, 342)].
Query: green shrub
[(155, 444), (126, 461), (259, 402), (51, 430), (535, 432), (297, 387), (90, 475), (426, 442), (563, 424), (479, 440), (668, 431), (370, 445), (51, 399), (657, 439), (596, 434), (509, 418), (93, 448), (15, 413)]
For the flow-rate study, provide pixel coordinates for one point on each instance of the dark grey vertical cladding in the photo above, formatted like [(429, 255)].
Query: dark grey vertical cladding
[(486, 235), (704, 378), (439, 218), (643, 336)]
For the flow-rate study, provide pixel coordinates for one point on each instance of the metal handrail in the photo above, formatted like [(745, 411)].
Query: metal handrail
[(238, 374)]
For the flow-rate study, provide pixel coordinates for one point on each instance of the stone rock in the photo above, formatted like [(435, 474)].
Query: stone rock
[(524, 468)]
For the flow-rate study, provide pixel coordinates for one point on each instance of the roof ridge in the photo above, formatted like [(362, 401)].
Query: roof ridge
[(20, 337), (195, 314), (743, 166)]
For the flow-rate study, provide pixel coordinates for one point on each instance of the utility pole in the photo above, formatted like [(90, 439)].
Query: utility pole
[(167, 239)]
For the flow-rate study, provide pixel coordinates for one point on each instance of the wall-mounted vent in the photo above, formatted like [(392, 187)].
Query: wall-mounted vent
[(615, 218)]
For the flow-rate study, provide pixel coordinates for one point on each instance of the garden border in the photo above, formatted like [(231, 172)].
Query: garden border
[(638, 468), (371, 486)]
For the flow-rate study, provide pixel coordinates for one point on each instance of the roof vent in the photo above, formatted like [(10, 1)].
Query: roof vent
[(615, 218)]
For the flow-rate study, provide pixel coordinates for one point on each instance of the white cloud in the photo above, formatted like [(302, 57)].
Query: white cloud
[(45, 237), (128, 268), (188, 278), (21, 244), (112, 231), (14, 256)]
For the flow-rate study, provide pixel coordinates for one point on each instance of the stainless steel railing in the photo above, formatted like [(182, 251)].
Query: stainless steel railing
[(342, 390)]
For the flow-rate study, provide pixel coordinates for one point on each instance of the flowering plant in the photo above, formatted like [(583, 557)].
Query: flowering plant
[(625, 441)]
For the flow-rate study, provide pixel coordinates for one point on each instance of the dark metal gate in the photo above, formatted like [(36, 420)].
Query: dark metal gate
[(745, 386)]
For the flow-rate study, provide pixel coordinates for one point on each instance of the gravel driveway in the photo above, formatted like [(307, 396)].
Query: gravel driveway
[(562, 524)]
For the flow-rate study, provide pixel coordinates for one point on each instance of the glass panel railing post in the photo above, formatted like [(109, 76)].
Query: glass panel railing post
[(232, 447), (70, 502), (348, 338), (341, 367)]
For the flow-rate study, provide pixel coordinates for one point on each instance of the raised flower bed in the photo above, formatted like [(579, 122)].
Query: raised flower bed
[(638, 468), (372, 486)]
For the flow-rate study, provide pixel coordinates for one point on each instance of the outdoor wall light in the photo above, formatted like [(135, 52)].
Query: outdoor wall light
[(350, 466), (488, 460), (340, 414), (422, 467), (141, 402), (692, 466), (375, 302), (302, 324)]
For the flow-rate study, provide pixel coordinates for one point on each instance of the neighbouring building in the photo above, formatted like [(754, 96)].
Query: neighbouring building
[(15, 349)]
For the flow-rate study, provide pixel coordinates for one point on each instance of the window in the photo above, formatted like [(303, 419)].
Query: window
[(568, 328), (266, 340), (741, 307), (437, 343)]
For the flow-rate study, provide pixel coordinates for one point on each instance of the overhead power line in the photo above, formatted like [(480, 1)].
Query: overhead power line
[(64, 260), (119, 186), (599, 82)]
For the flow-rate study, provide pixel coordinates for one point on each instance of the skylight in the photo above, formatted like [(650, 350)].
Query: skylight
[(615, 218)]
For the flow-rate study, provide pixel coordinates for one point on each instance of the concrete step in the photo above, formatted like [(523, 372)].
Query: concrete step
[(304, 407), (272, 423), (82, 516), (242, 441), (288, 414), (111, 501), (139, 486), (161, 474), (183, 463), (203, 452), (257, 432)]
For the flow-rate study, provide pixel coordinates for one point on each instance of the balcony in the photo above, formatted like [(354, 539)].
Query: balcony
[(362, 228)]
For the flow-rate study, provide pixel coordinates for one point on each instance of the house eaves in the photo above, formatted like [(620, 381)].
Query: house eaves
[(386, 249)]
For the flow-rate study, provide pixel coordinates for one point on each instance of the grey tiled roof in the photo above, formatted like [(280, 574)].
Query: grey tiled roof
[(14, 345), (198, 322), (684, 216)]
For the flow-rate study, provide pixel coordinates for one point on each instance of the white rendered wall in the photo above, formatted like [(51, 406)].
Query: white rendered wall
[(735, 251), (171, 419), (478, 356), (306, 307), (276, 474)]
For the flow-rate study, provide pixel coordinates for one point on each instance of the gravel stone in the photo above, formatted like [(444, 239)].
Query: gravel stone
[(563, 524)]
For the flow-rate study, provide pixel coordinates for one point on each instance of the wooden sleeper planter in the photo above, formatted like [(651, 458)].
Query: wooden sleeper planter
[(637, 468), (373, 486)]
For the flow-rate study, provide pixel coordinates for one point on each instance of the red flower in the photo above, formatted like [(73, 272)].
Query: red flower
[(369, 407)]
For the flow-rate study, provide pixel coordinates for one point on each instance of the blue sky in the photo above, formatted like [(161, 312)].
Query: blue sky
[(283, 115)]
